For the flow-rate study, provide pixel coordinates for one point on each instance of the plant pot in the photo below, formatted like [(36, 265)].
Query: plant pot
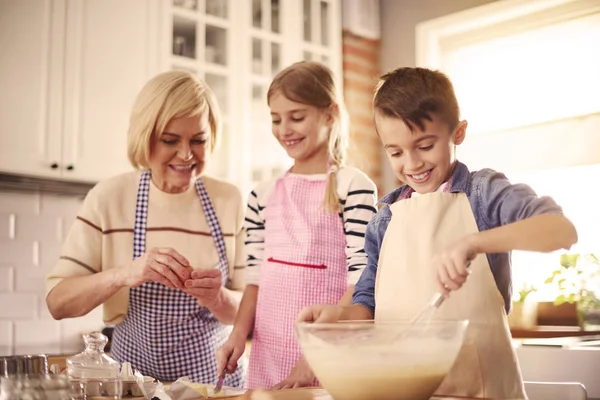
[(590, 319), (523, 315)]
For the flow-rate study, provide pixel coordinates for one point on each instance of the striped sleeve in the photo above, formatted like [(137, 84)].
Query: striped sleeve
[(81, 253), (238, 277), (359, 201), (255, 232)]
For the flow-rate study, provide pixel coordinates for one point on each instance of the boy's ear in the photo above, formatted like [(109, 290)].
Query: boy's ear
[(461, 132)]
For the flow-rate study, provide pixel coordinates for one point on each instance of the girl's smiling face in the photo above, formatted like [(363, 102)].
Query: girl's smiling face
[(301, 129)]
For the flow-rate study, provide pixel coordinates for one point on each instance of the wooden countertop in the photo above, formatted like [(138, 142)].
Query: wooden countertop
[(306, 394)]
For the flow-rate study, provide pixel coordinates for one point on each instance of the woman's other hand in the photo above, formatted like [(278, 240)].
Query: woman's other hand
[(206, 286), (160, 264)]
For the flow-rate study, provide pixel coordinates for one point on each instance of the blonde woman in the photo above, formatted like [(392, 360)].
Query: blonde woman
[(305, 230), (160, 248)]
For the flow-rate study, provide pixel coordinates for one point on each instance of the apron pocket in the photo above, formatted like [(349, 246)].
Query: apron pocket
[(294, 264)]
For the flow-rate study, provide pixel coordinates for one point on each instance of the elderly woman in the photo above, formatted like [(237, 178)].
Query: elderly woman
[(160, 248)]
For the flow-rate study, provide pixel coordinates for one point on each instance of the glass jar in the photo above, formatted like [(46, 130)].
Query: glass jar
[(92, 373)]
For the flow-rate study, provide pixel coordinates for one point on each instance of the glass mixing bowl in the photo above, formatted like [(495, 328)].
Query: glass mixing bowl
[(392, 360)]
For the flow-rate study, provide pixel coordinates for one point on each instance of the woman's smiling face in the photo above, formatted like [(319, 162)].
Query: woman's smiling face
[(179, 154)]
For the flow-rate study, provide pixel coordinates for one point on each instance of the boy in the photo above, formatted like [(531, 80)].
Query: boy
[(442, 219)]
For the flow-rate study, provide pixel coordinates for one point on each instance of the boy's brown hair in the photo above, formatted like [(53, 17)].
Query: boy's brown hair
[(415, 95)]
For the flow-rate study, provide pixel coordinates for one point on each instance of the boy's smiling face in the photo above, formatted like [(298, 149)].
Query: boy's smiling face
[(423, 159)]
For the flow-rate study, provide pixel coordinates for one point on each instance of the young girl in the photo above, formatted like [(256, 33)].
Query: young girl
[(305, 230)]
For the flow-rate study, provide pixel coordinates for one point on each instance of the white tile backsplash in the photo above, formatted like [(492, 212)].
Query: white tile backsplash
[(6, 278), (18, 306), (43, 228), (6, 335), (37, 336), (17, 252), (32, 228), (6, 226), (30, 280), (48, 253)]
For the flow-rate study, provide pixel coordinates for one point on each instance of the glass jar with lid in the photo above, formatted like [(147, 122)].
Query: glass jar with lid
[(93, 373)]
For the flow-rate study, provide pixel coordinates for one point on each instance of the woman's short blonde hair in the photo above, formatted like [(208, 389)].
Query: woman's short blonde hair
[(169, 95)]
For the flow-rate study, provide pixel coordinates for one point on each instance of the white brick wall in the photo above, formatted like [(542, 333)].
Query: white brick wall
[(32, 228)]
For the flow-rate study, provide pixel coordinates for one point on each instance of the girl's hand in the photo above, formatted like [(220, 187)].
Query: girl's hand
[(205, 285), (300, 376), (160, 264), (229, 354), (327, 313), (451, 266)]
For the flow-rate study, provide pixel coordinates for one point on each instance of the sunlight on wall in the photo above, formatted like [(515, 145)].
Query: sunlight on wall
[(577, 191), (535, 77), (530, 77)]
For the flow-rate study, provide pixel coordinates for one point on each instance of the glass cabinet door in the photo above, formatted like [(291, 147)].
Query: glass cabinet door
[(237, 47), (201, 35), (268, 159), (320, 30)]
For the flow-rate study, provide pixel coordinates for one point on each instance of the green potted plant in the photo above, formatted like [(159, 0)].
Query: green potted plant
[(578, 282)]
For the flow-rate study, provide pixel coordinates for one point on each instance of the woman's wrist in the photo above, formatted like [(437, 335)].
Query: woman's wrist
[(120, 277), (220, 302)]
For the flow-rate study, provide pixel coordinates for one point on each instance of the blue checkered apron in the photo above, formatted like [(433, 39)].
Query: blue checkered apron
[(166, 333)]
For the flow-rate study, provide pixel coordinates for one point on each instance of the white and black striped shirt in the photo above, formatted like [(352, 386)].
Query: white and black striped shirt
[(358, 197)]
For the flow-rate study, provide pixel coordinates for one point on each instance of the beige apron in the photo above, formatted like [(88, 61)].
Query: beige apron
[(422, 226)]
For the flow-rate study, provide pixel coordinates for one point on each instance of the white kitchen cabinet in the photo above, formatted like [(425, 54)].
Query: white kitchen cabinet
[(108, 58), (31, 76), (70, 71)]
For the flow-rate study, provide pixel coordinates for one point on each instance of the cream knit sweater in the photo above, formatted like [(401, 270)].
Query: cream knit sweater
[(102, 235)]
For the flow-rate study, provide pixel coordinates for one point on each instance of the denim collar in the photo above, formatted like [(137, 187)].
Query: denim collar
[(459, 180)]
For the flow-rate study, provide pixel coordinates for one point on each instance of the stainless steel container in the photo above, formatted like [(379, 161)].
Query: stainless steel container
[(30, 364)]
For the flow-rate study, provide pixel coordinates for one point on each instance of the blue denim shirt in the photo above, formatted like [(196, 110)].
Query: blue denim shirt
[(495, 202)]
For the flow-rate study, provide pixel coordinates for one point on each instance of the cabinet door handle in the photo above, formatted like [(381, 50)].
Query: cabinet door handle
[(54, 165), (70, 167)]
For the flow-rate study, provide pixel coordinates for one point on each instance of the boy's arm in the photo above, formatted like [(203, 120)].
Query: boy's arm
[(543, 233), (363, 298), (519, 219), (512, 217)]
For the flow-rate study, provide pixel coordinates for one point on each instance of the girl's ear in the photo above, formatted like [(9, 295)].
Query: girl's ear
[(460, 133), (331, 114)]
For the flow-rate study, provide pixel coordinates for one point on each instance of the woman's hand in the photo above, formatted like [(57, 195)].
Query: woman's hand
[(160, 264), (300, 376), (206, 286), (452, 265)]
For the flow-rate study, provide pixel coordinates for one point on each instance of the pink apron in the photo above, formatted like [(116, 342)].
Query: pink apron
[(304, 264)]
